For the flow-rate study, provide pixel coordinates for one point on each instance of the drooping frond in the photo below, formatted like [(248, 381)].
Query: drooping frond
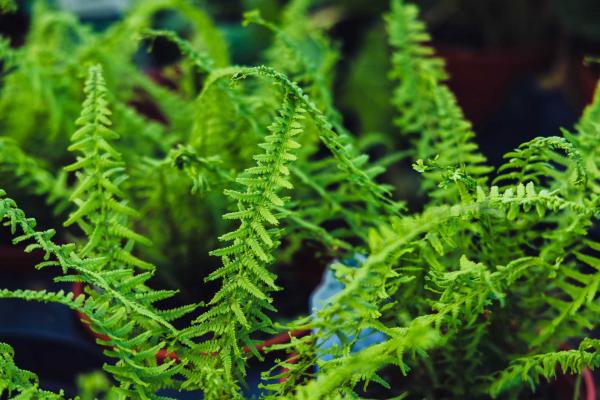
[(303, 52), (532, 161), (530, 369), (121, 312), (331, 139)]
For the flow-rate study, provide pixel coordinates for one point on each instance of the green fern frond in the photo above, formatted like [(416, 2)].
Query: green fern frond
[(530, 369), (69, 261), (115, 311), (102, 212), (304, 53), (16, 383), (327, 135), (574, 303), (246, 281), (425, 104), (532, 161)]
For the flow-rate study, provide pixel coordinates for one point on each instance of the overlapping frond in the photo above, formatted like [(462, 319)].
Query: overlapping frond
[(530, 369)]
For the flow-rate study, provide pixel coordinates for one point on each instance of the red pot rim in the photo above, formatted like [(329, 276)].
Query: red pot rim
[(590, 385)]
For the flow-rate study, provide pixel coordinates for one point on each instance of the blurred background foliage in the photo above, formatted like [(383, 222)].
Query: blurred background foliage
[(501, 55)]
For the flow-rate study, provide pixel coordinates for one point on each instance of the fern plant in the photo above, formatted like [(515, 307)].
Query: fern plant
[(470, 296)]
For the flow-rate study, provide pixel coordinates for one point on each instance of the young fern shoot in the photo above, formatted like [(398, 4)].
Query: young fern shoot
[(102, 213)]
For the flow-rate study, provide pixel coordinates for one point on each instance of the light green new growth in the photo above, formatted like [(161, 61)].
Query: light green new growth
[(102, 212)]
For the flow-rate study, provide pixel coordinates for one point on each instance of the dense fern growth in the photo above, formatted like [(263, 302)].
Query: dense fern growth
[(243, 170)]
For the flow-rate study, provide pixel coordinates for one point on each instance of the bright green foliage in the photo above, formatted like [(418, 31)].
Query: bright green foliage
[(475, 260), (41, 73), (530, 369), (94, 385), (474, 294), (530, 162), (237, 308), (101, 212), (121, 309), (303, 52), (17, 383), (425, 105)]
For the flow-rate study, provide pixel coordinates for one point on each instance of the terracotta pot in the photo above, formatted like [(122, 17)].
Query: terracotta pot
[(482, 79), (587, 80)]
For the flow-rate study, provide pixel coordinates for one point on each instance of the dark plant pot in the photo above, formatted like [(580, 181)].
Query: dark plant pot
[(43, 334), (14, 260), (482, 79)]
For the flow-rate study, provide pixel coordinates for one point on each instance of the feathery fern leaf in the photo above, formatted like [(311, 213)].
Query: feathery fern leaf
[(102, 212), (425, 104), (246, 280)]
